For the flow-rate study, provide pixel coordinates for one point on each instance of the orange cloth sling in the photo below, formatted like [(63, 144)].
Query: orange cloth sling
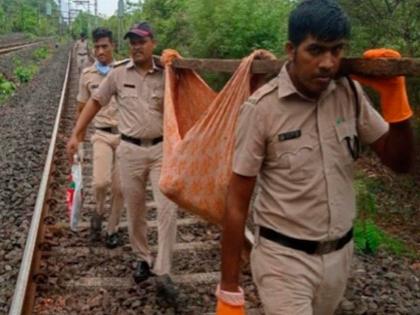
[(199, 136)]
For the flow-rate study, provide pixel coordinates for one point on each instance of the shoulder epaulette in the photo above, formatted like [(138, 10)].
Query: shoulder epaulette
[(263, 90), (89, 69), (121, 62)]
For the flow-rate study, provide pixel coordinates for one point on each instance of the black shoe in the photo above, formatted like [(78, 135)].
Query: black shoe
[(142, 272), (95, 228), (113, 240), (166, 290)]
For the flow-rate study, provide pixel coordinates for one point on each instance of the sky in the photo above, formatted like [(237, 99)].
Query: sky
[(105, 7)]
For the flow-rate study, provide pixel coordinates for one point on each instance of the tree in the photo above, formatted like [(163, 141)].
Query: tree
[(391, 23)]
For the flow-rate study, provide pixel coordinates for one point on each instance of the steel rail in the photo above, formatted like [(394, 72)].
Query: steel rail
[(17, 47), (19, 303)]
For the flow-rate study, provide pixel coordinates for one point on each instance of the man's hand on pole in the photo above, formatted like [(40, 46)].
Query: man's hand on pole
[(394, 100)]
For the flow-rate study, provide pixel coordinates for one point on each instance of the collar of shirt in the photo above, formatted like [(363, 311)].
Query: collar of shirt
[(103, 69), (155, 68), (286, 86)]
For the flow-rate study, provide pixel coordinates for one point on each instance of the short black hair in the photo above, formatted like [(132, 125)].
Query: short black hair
[(323, 19), (101, 32)]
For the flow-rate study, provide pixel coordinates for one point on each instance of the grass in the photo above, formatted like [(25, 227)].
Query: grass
[(369, 237), (41, 53), (25, 73), (6, 88)]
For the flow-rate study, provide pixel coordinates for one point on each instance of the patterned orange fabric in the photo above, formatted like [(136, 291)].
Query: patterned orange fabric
[(199, 136)]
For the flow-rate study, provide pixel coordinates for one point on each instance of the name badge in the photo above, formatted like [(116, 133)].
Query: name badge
[(290, 135), (131, 86)]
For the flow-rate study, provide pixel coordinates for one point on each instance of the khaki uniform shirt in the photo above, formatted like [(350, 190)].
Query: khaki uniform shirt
[(81, 48), (88, 84), (139, 98), (298, 148)]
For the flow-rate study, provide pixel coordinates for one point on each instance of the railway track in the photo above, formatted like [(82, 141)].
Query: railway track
[(16, 46), (63, 273)]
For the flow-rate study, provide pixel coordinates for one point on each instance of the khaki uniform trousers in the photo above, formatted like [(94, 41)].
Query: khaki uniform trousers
[(105, 175), (82, 62), (137, 163), (291, 282)]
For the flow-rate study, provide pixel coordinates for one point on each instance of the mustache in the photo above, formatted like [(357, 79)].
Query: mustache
[(324, 74)]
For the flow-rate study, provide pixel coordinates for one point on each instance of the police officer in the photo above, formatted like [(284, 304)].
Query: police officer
[(105, 139), (82, 52), (138, 85), (299, 134)]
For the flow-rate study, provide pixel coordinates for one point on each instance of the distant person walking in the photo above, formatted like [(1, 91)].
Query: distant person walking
[(81, 51)]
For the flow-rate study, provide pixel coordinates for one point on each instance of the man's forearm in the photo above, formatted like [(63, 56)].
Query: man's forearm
[(399, 147), (79, 109), (232, 243), (91, 108), (233, 237)]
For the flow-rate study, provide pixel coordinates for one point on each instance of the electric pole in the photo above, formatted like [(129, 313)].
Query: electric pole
[(120, 21), (69, 13), (96, 13), (59, 18)]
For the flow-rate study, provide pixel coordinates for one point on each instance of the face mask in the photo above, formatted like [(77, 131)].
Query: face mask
[(102, 69)]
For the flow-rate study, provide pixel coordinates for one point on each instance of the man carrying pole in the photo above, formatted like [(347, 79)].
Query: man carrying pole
[(300, 135)]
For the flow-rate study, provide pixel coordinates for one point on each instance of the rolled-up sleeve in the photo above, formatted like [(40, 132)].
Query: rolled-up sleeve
[(250, 141), (370, 124), (83, 95), (106, 89)]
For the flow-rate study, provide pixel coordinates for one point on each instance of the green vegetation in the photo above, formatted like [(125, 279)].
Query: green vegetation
[(29, 16), (6, 88), (369, 237), (25, 73), (41, 53)]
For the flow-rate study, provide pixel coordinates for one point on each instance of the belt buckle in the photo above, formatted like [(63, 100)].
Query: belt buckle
[(327, 247), (147, 142), (114, 130)]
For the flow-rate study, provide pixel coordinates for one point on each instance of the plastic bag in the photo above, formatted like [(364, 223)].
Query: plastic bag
[(199, 135), (74, 195)]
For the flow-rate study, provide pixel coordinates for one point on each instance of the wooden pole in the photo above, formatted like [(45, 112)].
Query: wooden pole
[(383, 67)]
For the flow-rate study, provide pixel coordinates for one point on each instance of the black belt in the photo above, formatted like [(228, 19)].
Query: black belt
[(113, 130), (141, 142), (82, 54), (310, 247)]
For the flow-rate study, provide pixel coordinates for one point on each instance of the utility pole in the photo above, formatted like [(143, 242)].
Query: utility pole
[(96, 13), (69, 17), (120, 21), (60, 19), (83, 3)]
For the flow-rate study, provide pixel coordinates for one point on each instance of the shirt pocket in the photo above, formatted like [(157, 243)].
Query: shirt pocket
[(128, 92), (347, 141), (93, 88), (157, 99), (293, 154)]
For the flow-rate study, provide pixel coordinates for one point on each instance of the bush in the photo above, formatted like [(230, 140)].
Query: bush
[(41, 53), (6, 88), (368, 236), (25, 73)]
